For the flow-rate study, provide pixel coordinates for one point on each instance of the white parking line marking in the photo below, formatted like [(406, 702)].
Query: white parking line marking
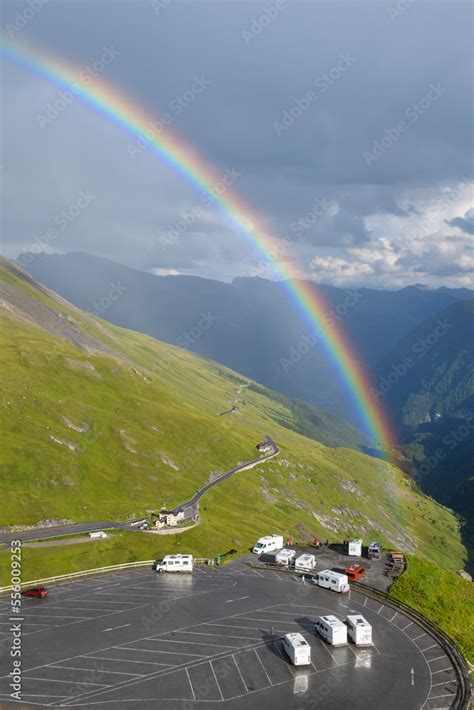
[(240, 674), (264, 669), (380, 609), (434, 697), (405, 627), (445, 682), (217, 682), (436, 659), (190, 643), (227, 636), (71, 682), (391, 620), (365, 601), (101, 670), (428, 648), (149, 650), (419, 637), (442, 671), (113, 628), (127, 660), (190, 684)]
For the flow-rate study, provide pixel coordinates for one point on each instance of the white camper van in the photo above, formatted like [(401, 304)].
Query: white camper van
[(98, 535), (269, 543), (332, 580), (285, 557), (354, 548), (305, 563), (175, 563), (332, 630), (359, 630), (375, 549), (297, 649)]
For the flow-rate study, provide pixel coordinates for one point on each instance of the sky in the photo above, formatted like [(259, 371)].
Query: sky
[(347, 126)]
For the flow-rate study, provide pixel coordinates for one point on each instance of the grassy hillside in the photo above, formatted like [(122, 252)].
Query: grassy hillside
[(443, 597), (103, 423)]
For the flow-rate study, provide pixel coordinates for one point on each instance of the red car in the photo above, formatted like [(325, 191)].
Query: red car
[(355, 572), (39, 592)]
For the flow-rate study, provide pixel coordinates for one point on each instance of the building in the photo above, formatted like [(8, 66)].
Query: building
[(264, 447), (169, 518)]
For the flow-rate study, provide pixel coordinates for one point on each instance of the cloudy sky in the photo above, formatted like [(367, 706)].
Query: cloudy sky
[(345, 126)]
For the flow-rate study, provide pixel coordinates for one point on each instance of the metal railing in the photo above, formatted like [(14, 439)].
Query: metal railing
[(81, 573)]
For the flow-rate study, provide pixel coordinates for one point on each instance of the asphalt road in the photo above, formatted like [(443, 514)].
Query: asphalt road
[(195, 499), (212, 640), (73, 528), (40, 533)]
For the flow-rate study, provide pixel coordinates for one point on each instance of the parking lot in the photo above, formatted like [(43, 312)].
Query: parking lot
[(212, 639)]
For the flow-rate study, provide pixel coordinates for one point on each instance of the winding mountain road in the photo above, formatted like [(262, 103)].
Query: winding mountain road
[(73, 528), (192, 502)]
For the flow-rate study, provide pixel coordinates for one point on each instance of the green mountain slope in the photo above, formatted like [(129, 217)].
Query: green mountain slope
[(427, 384), (100, 423), (255, 329)]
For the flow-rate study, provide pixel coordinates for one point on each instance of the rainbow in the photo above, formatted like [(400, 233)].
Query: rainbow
[(125, 113)]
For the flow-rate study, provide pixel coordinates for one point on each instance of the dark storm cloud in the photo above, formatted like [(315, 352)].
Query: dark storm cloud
[(466, 223), (340, 77)]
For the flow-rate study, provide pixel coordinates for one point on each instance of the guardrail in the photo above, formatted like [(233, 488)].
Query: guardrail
[(81, 573)]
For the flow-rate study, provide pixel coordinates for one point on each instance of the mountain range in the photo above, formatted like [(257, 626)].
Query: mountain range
[(250, 324), (106, 423)]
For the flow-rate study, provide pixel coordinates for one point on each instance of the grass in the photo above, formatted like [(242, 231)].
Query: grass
[(152, 434), (442, 596)]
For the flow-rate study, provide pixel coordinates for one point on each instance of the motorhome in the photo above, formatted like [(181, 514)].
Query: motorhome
[(305, 563), (175, 563), (285, 557), (354, 548), (374, 551), (297, 649), (332, 630), (269, 543), (331, 580), (359, 630), (98, 535)]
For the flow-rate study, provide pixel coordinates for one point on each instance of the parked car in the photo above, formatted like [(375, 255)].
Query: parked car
[(39, 592), (355, 572)]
